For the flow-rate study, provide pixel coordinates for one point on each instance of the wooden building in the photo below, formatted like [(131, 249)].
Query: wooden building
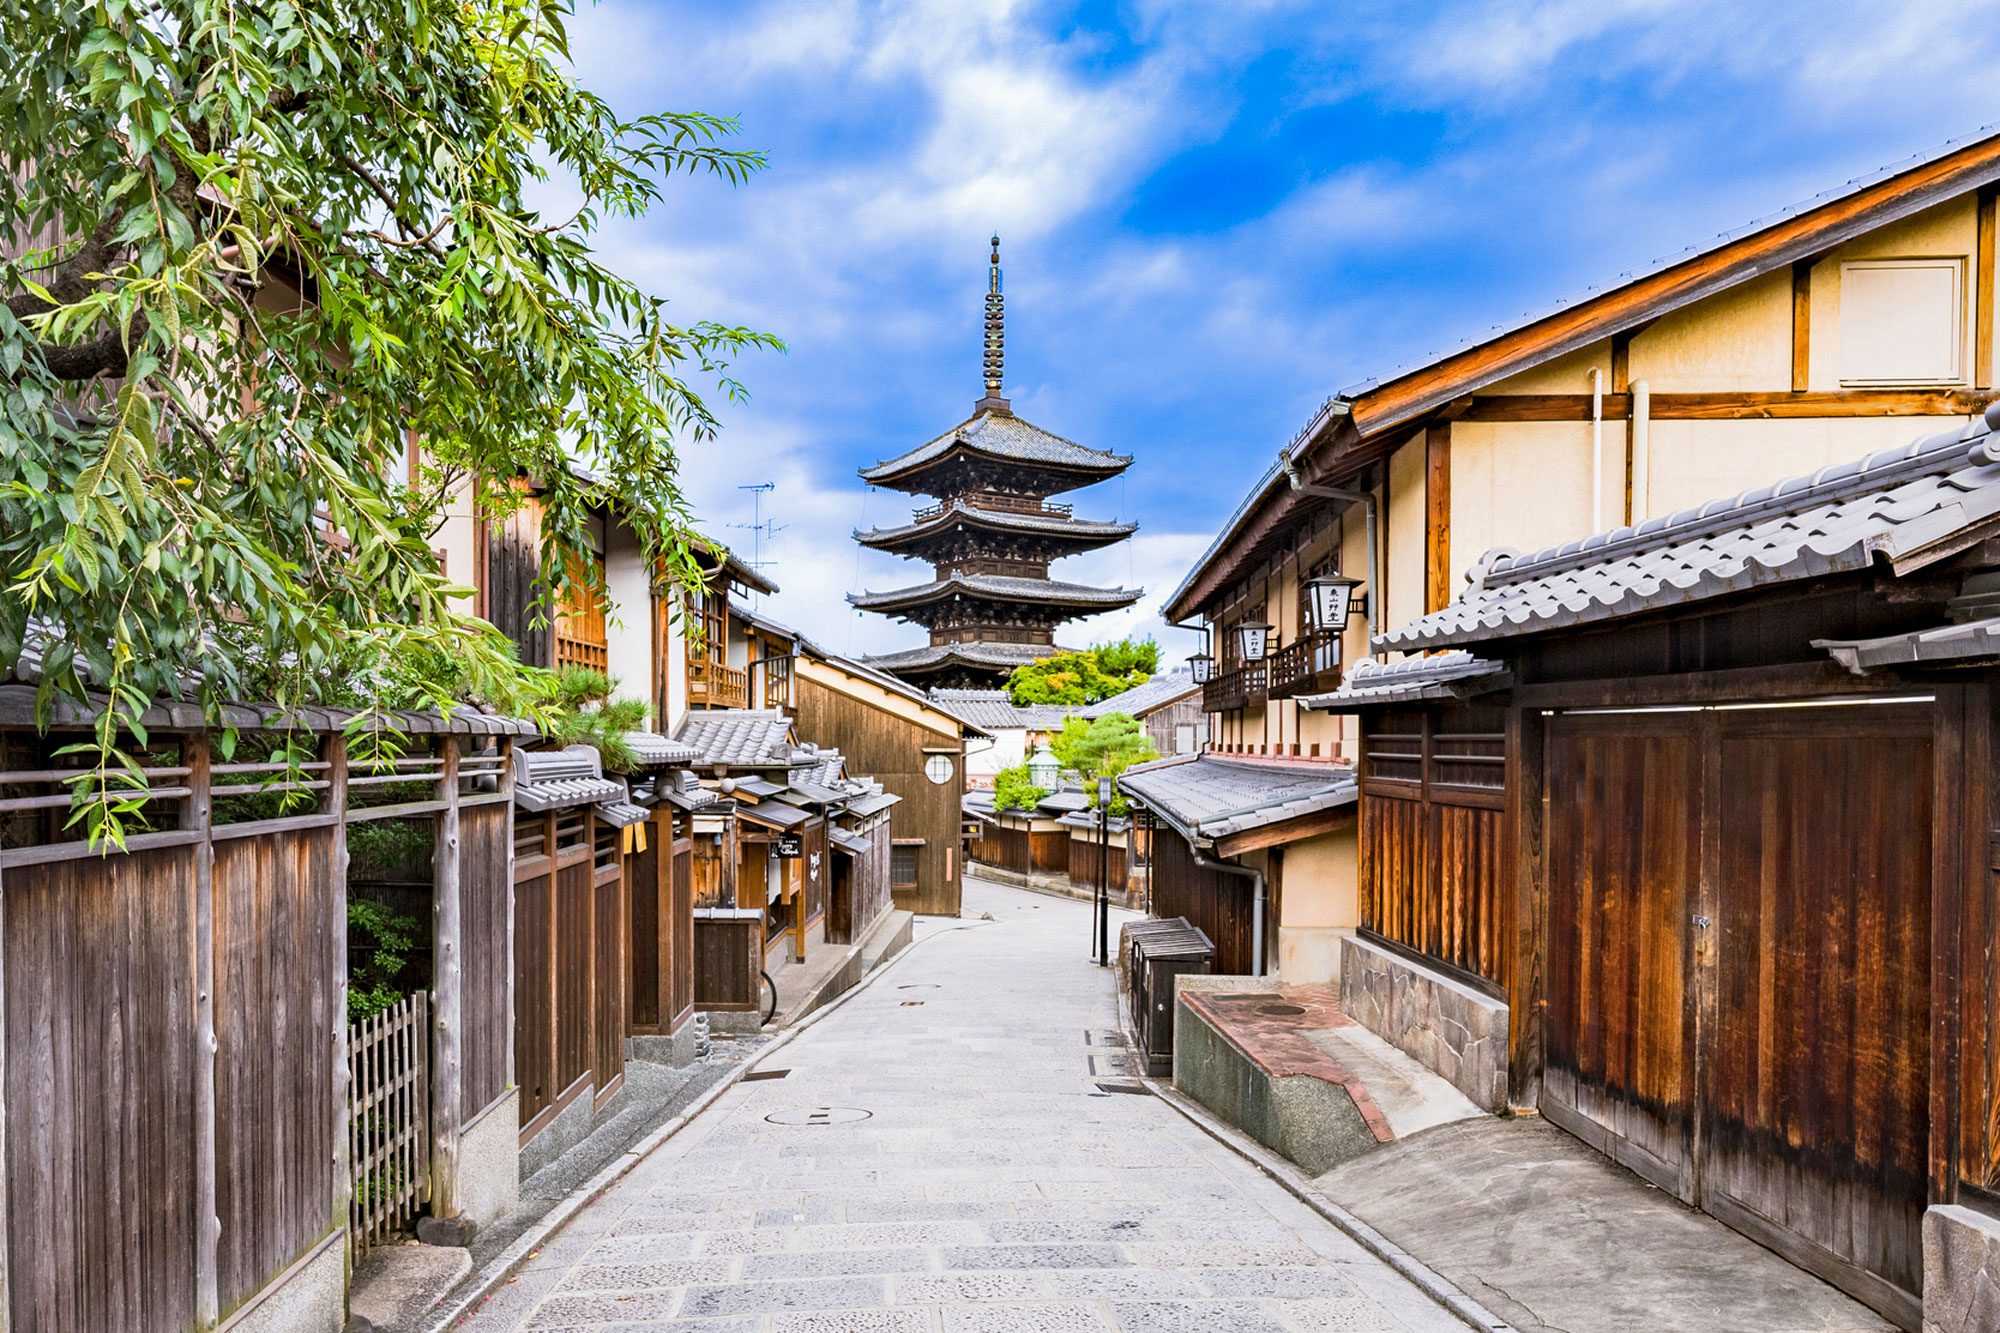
[(1758, 356), (990, 538), (1696, 818), (1168, 709)]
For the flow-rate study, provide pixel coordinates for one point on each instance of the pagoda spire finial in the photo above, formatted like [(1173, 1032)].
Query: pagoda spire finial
[(996, 339)]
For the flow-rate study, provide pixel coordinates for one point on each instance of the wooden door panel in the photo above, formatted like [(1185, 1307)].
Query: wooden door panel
[(1623, 848), (1818, 1066)]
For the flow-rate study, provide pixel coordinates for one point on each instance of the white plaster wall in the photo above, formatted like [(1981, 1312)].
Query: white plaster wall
[(1526, 484), (1320, 901), (628, 620), (1406, 521), (1737, 340), (1693, 462)]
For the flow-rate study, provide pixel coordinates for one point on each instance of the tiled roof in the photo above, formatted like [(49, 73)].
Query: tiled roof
[(1206, 798), (1440, 676), (852, 843), (559, 779), (738, 737), (1087, 819), (1890, 505), (1941, 643), (1003, 436), (773, 814), (1166, 688), (1003, 656), (962, 511), (654, 750), (996, 710), (997, 587)]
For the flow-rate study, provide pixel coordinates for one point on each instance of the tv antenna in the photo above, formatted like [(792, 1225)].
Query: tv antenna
[(761, 528)]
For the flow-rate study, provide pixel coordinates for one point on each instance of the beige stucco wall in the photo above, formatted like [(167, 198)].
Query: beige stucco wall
[(1405, 520), (1319, 900), (1948, 230), (1524, 484), (455, 539), (1737, 340), (1693, 462)]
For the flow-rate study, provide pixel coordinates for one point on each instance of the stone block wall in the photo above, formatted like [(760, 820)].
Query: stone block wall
[(1444, 1025)]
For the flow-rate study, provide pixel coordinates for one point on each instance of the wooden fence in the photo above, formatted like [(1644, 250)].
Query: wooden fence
[(388, 1121), (175, 1100)]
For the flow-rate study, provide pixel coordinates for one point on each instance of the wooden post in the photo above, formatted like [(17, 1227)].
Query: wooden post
[(448, 994), (6, 1286), (343, 1164), (512, 751), (207, 1225)]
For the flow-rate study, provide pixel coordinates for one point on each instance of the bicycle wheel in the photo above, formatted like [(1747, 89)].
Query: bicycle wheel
[(770, 998)]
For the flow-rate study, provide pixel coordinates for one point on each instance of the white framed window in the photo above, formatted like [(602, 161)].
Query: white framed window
[(1902, 321)]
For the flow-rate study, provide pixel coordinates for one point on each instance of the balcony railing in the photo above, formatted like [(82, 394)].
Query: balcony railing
[(1011, 504), (717, 685), (1310, 665), (1231, 690)]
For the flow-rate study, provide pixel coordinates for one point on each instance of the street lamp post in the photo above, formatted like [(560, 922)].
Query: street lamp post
[(1104, 872)]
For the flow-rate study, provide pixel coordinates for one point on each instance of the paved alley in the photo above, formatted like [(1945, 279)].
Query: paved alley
[(938, 1156)]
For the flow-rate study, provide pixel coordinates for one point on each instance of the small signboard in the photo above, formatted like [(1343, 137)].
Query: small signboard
[(790, 846)]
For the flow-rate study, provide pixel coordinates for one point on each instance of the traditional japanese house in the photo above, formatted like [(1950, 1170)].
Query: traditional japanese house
[(1767, 353), (1168, 707), (990, 605), (1731, 904), (1011, 730)]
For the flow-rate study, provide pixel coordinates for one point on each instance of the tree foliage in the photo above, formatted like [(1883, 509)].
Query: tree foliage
[(267, 245), (1084, 676), (587, 712), (1013, 791), (1103, 747)]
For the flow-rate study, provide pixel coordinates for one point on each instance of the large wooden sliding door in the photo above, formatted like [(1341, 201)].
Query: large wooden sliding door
[(1624, 855), (1738, 945)]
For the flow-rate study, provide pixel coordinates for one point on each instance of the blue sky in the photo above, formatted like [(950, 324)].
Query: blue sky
[(1212, 215)]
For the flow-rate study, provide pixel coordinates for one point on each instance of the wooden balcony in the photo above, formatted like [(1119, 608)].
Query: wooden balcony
[(1306, 667), (1010, 504), (778, 682), (1231, 690), (717, 685)]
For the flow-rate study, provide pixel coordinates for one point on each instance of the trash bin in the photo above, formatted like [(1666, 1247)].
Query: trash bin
[(1154, 953)]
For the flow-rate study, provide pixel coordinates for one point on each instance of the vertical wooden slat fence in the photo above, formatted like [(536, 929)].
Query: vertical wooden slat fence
[(388, 1121)]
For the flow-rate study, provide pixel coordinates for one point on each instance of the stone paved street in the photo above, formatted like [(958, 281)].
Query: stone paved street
[(939, 1157)]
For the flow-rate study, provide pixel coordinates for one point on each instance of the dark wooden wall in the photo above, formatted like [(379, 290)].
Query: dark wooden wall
[(881, 745), (484, 835), (1086, 858), (1435, 870), (1218, 904), (511, 591), (859, 888), (728, 962)]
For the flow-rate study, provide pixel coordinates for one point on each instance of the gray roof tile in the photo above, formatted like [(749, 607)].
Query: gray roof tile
[(1000, 655), (1002, 436), (739, 738), (1166, 688), (1207, 798), (1890, 505), (961, 510), (1370, 682), (999, 586)]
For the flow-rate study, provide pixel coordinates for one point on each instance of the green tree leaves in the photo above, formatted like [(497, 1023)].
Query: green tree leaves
[(1086, 676)]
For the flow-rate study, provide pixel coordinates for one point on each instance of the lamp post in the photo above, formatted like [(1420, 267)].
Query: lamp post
[(1043, 770), (1104, 872)]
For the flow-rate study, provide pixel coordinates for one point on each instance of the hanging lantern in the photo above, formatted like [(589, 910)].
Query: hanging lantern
[(1203, 667), (1253, 637), (1330, 598)]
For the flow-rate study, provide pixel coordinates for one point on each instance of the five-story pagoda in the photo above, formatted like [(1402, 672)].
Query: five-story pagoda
[(991, 605)]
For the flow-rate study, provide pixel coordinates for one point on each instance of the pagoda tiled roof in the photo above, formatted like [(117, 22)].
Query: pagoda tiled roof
[(957, 512), (1006, 437), (989, 656), (998, 588)]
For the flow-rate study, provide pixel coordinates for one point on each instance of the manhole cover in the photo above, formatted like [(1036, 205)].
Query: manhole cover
[(819, 1115), (1281, 1010), (911, 1004)]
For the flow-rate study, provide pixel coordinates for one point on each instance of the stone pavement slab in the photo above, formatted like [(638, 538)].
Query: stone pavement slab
[(938, 1155)]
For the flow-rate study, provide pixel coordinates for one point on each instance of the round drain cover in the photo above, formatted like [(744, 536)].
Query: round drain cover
[(819, 1115), (1281, 1010)]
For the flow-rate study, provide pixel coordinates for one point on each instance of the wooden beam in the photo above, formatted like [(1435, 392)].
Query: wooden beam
[(1292, 830), (1983, 278), (335, 804), (1948, 819), (1740, 684), (1437, 516), (1737, 406), (447, 995), (1621, 362), (1802, 325)]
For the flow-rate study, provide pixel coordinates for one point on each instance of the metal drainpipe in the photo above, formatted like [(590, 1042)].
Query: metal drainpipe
[(1256, 878), (1366, 499)]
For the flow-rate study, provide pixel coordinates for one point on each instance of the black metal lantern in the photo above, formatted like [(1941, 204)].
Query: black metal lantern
[(1330, 599), (1203, 667), (1253, 638)]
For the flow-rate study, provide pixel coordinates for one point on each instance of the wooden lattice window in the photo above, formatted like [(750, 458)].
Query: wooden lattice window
[(580, 638), (903, 858)]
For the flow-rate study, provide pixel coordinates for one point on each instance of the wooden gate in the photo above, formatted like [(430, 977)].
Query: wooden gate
[(388, 1121), (1739, 971)]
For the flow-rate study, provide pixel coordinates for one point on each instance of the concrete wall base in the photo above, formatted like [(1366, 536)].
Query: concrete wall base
[(571, 1126), (1313, 1122), (1961, 1270), (309, 1296), (735, 1024), (676, 1049), (1448, 1027), (489, 1161)]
